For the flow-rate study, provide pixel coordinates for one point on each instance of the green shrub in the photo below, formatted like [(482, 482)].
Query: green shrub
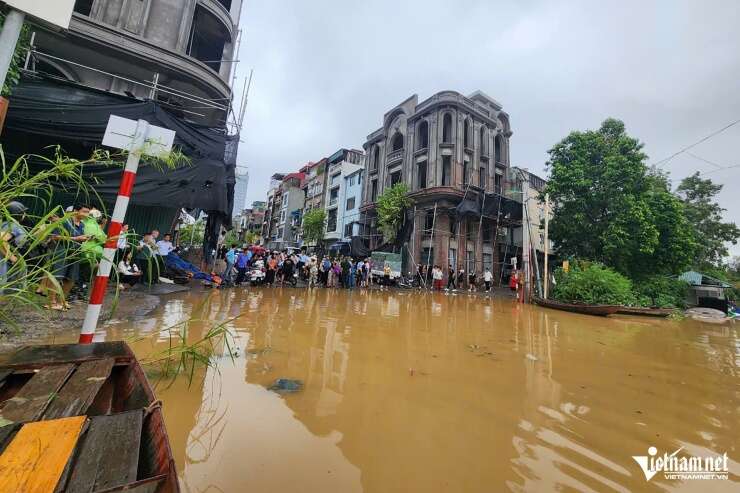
[(593, 284), (661, 292)]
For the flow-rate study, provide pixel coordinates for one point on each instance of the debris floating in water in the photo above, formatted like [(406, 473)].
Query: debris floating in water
[(286, 385)]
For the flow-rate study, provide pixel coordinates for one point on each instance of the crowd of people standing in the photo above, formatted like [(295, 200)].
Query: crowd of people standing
[(278, 268), (66, 250)]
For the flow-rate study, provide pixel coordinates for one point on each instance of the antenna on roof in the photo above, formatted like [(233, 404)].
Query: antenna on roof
[(245, 100)]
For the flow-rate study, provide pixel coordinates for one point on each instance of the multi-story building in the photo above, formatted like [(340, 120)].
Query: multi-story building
[(352, 201), (315, 185), (249, 222), (340, 165), (534, 215), (240, 190), (452, 152), (284, 210), (170, 62), (272, 210), (288, 230), (179, 53)]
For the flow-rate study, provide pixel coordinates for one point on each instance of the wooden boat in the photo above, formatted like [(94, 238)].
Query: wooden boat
[(81, 418), (647, 312), (599, 310)]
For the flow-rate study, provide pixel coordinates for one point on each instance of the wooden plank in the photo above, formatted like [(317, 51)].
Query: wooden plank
[(31, 401), (38, 356), (80, 390), (6, 434), (36, 457), (108, 455), (144, 486)]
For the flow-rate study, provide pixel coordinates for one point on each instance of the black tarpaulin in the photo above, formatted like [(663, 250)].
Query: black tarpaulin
[(488, 205), (47, 113)]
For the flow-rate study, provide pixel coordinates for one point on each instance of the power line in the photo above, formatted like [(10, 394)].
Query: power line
[(718, 166), (717, 132), (722, 169)]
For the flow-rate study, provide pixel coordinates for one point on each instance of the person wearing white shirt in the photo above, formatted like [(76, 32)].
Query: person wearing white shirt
[(128, 272), (165, 246), (487, 278), (122, 238)]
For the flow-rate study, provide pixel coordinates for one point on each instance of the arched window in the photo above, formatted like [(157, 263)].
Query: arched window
[(483, 141), (397, 142), (422, 137), (447, 128), (466, 134), (497, 149), (83, 7)]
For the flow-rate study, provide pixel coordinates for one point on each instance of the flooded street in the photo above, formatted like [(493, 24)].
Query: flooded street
[(408, 392)]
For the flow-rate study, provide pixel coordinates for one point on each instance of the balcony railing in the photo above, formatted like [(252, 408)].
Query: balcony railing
[(394, 156)]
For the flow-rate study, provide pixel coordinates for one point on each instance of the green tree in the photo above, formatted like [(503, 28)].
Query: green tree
[(391, 206), (193, 234), (705, 215), (609, 207), (231, 237), (313, 225), (251, 237)]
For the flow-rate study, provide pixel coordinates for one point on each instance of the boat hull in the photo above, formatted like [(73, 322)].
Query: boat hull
[(597, 310), (645, 312), (101, 381)]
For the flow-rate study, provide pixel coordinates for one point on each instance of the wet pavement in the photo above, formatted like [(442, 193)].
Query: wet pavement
[(409, 392)]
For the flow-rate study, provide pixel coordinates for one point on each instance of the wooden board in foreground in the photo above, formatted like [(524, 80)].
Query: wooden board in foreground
[(108, 455), (35, 458), (80, 390), (32, 399)]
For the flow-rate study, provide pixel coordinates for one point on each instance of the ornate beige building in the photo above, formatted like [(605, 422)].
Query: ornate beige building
[(449, 150)]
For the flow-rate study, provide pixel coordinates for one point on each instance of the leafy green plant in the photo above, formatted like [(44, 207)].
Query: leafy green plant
[(183, 356), (193, 234), (592, 283), (661, 292), (391, 206), (251, 237), (313, 225), (231, 238)]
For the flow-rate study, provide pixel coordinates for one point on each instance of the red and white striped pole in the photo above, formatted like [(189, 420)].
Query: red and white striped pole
[(97, 294)]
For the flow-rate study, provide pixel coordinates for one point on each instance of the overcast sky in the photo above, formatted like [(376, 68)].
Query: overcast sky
[(325, 72)]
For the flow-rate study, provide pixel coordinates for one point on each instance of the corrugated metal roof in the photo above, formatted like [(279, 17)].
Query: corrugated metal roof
[(698, 279)]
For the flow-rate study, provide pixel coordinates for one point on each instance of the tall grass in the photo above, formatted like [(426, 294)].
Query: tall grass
[(182, 356), (38, 180)]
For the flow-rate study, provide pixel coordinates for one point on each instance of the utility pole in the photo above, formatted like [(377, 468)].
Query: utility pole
[(525, 237), (547, 242)]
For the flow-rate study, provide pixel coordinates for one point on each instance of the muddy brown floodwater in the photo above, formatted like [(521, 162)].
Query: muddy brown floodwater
[(408, 392)]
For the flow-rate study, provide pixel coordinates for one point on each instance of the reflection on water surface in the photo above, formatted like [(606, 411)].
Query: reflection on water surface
[(409, 392)]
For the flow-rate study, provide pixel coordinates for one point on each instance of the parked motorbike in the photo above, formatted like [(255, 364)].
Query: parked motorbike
[(256, 277)]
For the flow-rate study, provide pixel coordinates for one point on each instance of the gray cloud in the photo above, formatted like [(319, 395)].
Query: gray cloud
[(326, 72)]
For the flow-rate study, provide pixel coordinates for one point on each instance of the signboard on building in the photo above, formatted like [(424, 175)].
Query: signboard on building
[(55, 12)]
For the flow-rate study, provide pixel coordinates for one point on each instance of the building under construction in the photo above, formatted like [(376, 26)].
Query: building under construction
[(452, 152), (170, 63)]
